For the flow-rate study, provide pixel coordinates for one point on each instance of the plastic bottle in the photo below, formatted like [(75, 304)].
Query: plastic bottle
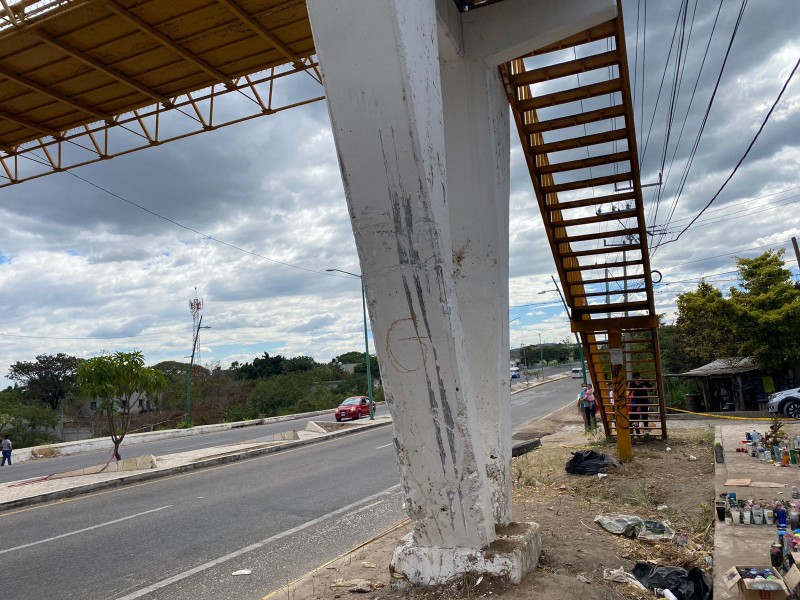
[(780, 513), (785, 458)]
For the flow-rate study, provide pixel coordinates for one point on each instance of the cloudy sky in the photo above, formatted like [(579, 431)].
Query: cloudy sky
[(83, 270)]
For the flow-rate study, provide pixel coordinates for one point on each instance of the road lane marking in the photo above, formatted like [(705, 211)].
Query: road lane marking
[(236, 553), (84, 530), (128, 486), (384, 446), (555, 411)]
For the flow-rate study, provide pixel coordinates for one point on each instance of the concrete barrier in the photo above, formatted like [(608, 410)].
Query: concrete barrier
[(105, 443)]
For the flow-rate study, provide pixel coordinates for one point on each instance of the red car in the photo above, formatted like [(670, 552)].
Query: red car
[(353, 408)]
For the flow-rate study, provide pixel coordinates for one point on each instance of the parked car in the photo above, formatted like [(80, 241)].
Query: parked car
[(353, 408), (576, 373), (515, 373), (786, 402)]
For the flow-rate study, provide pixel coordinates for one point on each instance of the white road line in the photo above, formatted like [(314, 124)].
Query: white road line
[(63, 535), (555, 411), (213, 563), (384, 446)]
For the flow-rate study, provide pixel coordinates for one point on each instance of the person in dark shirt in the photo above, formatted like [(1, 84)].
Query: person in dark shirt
[(639, 395)]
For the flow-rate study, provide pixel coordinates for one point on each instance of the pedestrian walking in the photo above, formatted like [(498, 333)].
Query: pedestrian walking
[(588, 407), (7, 448)]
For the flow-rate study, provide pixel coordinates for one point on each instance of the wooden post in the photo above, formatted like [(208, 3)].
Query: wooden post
[(622, 422)]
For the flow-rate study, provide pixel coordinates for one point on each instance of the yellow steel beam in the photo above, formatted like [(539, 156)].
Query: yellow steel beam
[(165, 41), (618, 323), (264, 33), (96, 64), (32, 85), (621, 419), (29, 124)]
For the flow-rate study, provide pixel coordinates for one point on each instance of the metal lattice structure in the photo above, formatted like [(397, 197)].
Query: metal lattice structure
[(86, 80), (572, 105)]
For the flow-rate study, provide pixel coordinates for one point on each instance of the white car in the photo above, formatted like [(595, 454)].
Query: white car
[(576, 373), (786, 402), (515, 373)]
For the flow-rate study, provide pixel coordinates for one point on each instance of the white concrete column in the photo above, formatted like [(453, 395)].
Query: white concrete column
[(477, 136), (380, 61)]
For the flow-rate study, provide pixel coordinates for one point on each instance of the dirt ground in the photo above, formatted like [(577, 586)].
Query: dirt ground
[(661, 483)]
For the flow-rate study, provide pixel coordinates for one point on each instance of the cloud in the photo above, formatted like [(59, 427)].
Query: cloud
[(78, 260)]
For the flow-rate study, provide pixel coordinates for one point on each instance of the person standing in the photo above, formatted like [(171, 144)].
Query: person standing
[(7, 448), (583, 405), (639, 396), (590, 409)]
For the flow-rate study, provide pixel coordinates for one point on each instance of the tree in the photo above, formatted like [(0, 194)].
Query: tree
[(24, 421), (114, 379), (49, 379), (704, 329), (767, 312), (261, 368), (299, 363)]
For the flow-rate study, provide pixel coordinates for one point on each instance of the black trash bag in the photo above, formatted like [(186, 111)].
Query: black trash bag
[(691, 585), (589, 462)]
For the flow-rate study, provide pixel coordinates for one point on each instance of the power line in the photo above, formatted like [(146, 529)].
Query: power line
[(746, 152), (693, 151), (182, 226)]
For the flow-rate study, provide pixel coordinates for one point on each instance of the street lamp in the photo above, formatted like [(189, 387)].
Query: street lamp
[(191, 368), (541, 352), (577, 339), (366, 341)]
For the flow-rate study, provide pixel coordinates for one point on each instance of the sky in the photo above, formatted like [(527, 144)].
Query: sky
[(82, 270)]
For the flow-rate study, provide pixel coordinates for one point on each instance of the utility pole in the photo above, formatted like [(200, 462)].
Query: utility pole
[(195, 306), (796, 250), (577, 337)]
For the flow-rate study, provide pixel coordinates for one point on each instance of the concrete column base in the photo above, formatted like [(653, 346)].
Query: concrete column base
[(509, 558)]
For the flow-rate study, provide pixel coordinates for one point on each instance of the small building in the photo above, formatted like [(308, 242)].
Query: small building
[(730, 384)]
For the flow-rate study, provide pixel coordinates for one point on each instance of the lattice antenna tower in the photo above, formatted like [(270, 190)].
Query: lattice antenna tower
[(196, 306)]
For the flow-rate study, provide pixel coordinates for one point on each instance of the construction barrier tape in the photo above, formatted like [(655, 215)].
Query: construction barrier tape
[(715, 416)]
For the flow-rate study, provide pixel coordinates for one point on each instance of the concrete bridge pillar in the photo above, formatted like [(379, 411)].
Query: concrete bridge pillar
[(421, 126)]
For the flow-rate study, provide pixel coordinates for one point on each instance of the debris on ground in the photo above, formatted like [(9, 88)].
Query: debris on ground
[(622, 576), (633, 527), (690, 585), (589, 462)]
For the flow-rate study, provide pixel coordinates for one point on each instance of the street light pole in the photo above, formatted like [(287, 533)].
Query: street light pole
[(191, 368), (577, 338), (541, 352), (366, 342)]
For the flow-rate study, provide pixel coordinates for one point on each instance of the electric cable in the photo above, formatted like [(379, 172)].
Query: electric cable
[(744, 156)]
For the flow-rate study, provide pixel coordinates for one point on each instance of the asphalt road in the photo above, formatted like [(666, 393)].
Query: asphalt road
[(60, 464), (182, 537)]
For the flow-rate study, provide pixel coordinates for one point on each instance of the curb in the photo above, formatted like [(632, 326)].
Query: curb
[(104, 443), (185, 468)]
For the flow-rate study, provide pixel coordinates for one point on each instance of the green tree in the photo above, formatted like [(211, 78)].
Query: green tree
[(767, 312), (114, 379), (350, 358), (299, 363), (49, 379), (704, 328), (26, 422), (263, 367), (274, 395)]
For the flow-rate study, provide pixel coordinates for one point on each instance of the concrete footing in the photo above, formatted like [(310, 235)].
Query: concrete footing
[(509, 558)]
